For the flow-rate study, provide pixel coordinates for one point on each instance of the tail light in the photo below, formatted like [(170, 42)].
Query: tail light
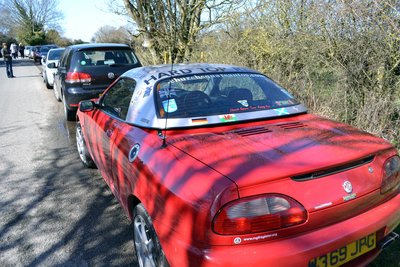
[(78, 77), (259, 214), (391, 175)]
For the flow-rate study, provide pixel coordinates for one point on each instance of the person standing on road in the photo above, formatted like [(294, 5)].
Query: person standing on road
[(21, 48), (14, 50), (8, 60)]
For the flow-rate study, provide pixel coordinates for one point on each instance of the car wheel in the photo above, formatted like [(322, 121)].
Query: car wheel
[(69, 114), (55, 91), (147, 246), (48, 86), (82, 149)]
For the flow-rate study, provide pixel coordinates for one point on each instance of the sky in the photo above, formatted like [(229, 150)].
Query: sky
[(82, 18)]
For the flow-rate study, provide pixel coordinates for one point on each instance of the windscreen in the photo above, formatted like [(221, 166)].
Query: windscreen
[(55, 54), (44, 49), (107, 58), (216, 94)]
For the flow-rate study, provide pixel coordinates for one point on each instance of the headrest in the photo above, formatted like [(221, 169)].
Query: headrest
[(238, 93)]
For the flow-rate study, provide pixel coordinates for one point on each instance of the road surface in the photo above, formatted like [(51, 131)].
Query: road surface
[(53, 211)]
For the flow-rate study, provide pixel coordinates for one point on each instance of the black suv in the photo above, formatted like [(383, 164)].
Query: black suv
[(86, 70)]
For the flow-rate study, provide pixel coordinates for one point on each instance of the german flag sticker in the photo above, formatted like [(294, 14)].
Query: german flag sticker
[(199, 121)]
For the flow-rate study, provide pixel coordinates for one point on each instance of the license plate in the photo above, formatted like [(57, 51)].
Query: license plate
[(346, 253)]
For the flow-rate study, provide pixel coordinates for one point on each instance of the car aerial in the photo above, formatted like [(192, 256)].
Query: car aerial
[(217, 165), (53, 56), (86, 70)]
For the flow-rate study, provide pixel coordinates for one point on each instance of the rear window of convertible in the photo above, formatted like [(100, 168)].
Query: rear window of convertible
[(216, 94)]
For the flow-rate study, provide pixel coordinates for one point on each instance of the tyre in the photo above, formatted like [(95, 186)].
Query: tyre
[(147, 246), (69, 114), (82, 149), (48, 86), (55, 91)]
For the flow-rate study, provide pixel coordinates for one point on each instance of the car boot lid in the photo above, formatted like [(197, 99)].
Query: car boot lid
[(290, 156)]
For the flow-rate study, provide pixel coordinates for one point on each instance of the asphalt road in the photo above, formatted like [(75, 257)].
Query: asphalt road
[(53, 211)]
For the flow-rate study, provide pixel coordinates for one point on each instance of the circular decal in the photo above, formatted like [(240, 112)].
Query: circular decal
[(347, 187), (111, 75), (237, 240), (370, 169), (134, 152)]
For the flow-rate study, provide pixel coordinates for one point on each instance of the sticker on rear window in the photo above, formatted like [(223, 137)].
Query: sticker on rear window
[(199, 121), (167, 92), (227, 118), (281, 111), (244, 103), (170, 105)]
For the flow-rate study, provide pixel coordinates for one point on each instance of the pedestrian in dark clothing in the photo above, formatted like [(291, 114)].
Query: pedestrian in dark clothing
[(8, 60), (21, 50)]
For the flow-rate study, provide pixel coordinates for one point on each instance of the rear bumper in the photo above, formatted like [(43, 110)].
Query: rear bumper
[(299, 250), (74, 95)]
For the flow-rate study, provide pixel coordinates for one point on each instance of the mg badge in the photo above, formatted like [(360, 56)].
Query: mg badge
[(111, 75), (370, 169), (347, 187)]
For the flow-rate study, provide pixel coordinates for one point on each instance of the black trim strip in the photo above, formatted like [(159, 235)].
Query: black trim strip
[(252, 131), (291, 125), (334, 170)]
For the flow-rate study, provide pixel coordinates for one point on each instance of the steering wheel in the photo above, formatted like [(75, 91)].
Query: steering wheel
[(196, 101)]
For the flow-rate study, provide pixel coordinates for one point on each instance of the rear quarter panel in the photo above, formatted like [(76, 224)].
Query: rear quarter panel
[(180, 193)]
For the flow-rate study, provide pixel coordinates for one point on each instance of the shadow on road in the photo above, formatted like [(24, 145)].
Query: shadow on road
[(27, 76), (63, 214)]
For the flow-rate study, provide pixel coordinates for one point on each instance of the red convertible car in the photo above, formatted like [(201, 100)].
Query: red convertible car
[(218, 165)]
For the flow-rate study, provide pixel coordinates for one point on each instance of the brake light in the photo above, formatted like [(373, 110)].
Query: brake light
[(259, 214), (78, 77), (391, 175)]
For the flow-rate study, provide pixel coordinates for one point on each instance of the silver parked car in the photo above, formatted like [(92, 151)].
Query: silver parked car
[(53, 56), (27, 50)]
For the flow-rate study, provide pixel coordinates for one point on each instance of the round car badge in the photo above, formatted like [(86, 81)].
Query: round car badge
[(237, 240), (370, 169), (111, 75), (347, 187), (134, 152)]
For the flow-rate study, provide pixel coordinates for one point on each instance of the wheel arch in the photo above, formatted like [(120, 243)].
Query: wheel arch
[(132, 202)]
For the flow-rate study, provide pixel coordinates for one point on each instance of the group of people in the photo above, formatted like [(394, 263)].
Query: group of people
[(8, 57), (17, 48)]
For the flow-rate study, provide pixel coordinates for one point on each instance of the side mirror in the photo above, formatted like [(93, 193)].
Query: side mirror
[(86, 105), (52, 65)]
